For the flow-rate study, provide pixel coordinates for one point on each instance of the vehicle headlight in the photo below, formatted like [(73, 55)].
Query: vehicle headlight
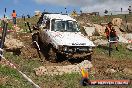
[(65, 48), (62, 48)]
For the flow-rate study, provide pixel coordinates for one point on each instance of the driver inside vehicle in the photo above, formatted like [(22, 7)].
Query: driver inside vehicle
[(46, 24)]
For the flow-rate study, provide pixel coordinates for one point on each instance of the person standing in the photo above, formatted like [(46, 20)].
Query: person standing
[(14, 16), (111, 35), (130, 10)]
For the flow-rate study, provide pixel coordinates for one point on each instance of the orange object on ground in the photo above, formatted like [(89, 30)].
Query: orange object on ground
[(84, 73)]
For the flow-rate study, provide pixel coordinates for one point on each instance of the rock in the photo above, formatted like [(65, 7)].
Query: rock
[(85, 64), (129, 47), (40, 71), (80, 22), (100, 30), (122, 39), (82, 30), (127, 27), (110, 70), (127, 71), (125, 38), (128, 36), (89, 30), (100, 42), (89, 25), (13, 44), (117, 22)]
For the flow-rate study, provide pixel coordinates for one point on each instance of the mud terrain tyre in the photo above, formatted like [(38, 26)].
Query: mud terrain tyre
[(52, 55)]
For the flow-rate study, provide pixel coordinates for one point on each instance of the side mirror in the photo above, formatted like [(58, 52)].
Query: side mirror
[(35, 28)]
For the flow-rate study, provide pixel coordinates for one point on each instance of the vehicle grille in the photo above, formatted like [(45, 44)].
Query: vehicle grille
[(73, 49)]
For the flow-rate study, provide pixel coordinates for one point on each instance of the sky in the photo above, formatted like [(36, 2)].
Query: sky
[(29, 6)]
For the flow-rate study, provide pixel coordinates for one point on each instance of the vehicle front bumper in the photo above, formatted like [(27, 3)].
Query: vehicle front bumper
[(77, 55)]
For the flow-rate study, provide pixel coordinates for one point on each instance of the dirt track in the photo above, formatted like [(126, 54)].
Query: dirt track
[(100, 63)]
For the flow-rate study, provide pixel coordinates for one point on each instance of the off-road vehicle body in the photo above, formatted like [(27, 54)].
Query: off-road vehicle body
[(61, 34)]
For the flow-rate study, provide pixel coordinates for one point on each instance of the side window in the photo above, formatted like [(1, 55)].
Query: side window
[(52, 25)]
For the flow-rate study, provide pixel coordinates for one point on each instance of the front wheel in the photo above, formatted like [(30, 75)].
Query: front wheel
[(52, 55)]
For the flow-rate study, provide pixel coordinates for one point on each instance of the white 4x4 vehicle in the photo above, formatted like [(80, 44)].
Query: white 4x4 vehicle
[(61, 34)]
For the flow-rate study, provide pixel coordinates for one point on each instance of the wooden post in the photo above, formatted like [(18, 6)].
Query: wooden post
[(3, 38), (29, 27)]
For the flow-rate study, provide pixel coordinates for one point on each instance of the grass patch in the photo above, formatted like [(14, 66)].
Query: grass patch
[(123, 53), (14, 80)]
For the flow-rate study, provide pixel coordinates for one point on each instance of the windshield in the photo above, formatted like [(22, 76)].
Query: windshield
[(65, 26)]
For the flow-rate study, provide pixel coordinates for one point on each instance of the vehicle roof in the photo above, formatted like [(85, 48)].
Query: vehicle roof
[(59, 16)]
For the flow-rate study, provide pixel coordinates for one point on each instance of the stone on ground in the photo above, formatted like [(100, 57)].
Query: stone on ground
[(100, 42), (13, 44), (129, 47), (110, 70), (89, 30), (127, 71), (117, 22), (100, 29), (59, 70)]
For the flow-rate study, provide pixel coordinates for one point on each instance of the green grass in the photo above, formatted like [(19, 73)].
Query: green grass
[(105, 19), (14, 79), (123, 53), (21, 22)]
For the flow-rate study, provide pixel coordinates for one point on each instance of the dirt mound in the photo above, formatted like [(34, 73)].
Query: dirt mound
[(23, 41), (27, 52)]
